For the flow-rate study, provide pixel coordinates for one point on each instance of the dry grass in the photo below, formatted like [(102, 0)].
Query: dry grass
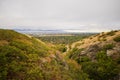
[(102, 37)]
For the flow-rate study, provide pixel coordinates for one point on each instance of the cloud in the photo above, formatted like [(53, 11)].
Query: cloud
[(60, 14)]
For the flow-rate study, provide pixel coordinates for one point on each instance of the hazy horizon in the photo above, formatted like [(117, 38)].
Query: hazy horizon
[(84, 15)]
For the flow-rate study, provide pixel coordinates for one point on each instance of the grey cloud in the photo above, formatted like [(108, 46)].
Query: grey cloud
[(60, 14)]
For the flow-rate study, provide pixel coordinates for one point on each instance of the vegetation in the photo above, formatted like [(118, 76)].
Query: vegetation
[(27, 58), (74, 53), (108, 46), (63, 39), (104, 69), (23, 58), (97, 62), (111, 33), (61, 48), (117, 39)]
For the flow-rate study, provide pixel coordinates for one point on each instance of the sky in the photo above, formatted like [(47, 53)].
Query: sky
[(85, 15)]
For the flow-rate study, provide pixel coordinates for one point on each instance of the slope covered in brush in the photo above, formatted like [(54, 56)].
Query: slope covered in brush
[(26, 58), (99, 55)]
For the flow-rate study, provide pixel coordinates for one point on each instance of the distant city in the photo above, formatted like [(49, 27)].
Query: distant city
[(57, 31)]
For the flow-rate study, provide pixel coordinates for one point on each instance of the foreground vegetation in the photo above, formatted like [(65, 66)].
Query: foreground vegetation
[(102, 68), (101, 59), (24, 58)]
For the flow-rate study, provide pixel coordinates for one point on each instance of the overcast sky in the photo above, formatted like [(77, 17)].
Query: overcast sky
[(94, 15)]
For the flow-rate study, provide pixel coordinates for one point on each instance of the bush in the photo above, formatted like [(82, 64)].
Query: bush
[(103, 69), (108, 46), (111, 33), (74, 53), (83, 59), (11, 62), (61, 48), (117, 39), (76, 72)]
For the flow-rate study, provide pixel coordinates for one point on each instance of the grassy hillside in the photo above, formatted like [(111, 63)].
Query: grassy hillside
[(23, 57), (98, 55)]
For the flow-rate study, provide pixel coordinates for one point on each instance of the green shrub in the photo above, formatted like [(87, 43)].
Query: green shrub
[(108, 46), (83, 59), (111, 33), (12, 61), (103, 69), (74, 53), (61, 47), (101, 56), (75, 72), (117, 39)]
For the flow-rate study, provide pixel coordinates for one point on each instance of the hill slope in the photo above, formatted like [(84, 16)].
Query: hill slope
[(109, 41), (99, 55), (23, 57)]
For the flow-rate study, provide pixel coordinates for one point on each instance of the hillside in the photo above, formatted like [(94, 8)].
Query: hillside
[(108, 40), (23, 57), (99, 55)]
